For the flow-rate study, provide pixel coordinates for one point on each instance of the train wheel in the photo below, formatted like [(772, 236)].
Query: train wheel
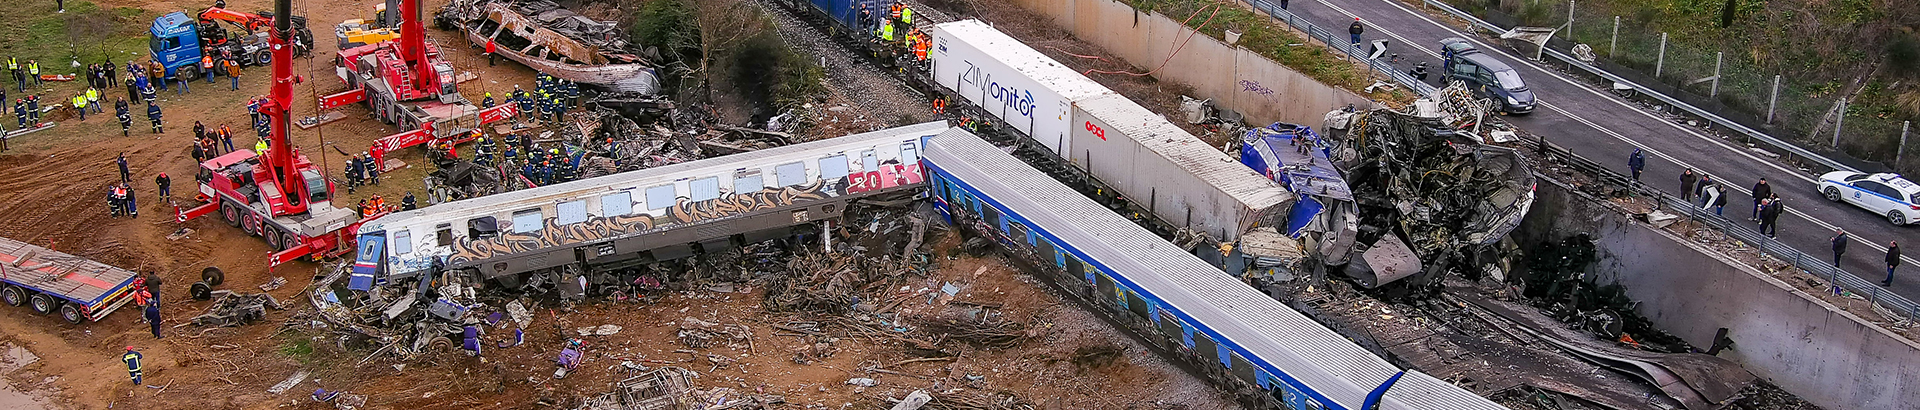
[(200, 291), (41, 303), (230, 213), (12, 295), (72, 314), (213, 276)]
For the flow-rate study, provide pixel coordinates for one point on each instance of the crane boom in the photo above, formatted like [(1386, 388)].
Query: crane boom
[(280, 157), (413, 46)]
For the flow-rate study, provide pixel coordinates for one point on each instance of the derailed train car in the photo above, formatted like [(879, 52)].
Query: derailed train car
[(1141, 155), (590, 229)]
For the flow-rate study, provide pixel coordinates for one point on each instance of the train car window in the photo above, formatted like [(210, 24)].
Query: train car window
[(1244, 369), (660, 197), (482, 227), (909, 154), (443, 234), (527, 221), (833, 168), (1170, 325), (571, 212), (869, 161), (616, 204), (745, 182), (993, 217), (1138, 305), (1046, 250), (703, 189), (1018, 231), (1204, 348), (402, 242), (1074, 267), (1108, 293), (1314, 405), (792, 173)]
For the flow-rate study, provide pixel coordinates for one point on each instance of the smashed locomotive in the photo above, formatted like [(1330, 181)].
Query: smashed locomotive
[(554, 40)]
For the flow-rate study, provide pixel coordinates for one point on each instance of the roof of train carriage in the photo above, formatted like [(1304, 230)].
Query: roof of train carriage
[(573, 189), (1152, 131), (1275, 333), (1013, 53)]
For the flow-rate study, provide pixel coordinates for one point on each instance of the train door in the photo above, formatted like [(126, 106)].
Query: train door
[(369, 262)]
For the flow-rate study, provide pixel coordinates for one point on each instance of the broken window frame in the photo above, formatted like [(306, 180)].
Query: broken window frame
[(402, 242), (443, 234)]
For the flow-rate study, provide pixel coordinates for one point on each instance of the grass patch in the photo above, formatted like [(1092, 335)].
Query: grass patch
[(1266, 37), (86, 32), (299, 348)]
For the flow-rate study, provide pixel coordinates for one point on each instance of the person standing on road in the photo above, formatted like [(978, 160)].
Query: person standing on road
[(1719, 200), (1636, 162), (1687, 179), (1355, 30), (122, 161), (166, 187), (132, 359), (1760, 191), (1770, 217), (1893, 261), (1700, 189), (1839, 242)]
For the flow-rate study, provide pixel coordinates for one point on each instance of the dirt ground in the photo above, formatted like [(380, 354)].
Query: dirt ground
[(52, 191)]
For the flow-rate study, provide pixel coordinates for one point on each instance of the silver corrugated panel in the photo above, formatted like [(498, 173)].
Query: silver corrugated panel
[(1273, 333), (1164, 168), (502, 202)]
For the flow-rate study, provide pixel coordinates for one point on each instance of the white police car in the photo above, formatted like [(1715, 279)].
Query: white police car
[(1886, 194)]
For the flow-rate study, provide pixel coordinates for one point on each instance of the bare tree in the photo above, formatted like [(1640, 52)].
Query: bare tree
[(724, 25)]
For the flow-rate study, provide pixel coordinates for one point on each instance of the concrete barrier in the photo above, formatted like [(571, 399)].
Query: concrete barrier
[(1234, 77), (1805, 345)]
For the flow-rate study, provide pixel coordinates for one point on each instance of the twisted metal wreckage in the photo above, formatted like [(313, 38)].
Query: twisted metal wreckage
[(557, 41)]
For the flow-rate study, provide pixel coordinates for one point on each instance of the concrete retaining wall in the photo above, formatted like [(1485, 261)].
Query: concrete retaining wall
[(1806, 346), (1235, 78)]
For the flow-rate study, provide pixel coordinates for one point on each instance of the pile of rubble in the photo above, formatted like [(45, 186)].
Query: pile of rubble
[(234, 309)]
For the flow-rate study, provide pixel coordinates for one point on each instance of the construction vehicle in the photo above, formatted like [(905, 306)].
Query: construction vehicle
[(179, 41), (47, 281), (407, 83), (278, 195), (360, 32)]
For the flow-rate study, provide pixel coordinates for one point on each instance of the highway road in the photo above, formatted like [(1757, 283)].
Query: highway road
[(1602, 127)]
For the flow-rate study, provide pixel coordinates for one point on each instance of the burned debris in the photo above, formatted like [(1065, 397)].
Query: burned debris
[(234, 309), (554, 40)]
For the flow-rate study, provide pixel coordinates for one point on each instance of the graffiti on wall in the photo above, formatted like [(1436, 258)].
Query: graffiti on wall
[(1256, 88), (598, 228), (890, 175)]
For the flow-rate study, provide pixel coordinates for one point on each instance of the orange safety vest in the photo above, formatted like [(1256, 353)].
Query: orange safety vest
[(939, 105), (895, 9), (206, 63)]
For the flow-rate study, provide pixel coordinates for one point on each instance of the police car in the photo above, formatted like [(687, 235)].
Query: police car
[(1886, 194)]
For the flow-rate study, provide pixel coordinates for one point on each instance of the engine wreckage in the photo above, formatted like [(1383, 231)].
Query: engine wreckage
[(554, 40)]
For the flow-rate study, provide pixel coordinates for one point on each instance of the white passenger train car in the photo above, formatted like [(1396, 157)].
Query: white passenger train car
[(590, 226), (1150, 161)]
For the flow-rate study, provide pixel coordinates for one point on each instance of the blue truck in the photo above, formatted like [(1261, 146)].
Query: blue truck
[(178, 40)]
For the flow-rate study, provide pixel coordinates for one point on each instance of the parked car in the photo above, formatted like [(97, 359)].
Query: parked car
[(1886, 194), (1486, 76)]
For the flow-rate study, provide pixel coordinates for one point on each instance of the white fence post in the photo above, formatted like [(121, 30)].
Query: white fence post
[(1714, 92), (1660, 63), (1837, 121), (1771, 101)]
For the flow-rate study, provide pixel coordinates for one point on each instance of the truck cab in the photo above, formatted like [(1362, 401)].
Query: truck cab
[(1486, 76), (174, 40)]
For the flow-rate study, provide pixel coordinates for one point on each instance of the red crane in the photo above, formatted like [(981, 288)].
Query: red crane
[(407, 83), (278, 195)]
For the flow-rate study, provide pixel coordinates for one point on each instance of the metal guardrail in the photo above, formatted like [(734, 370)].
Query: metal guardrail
[(1790, 148), (1338, 43), (1836, 278)]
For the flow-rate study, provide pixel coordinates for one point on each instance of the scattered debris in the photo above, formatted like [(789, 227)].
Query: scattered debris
[(557, 41), (294, 379), (602, 330), (233, 309)]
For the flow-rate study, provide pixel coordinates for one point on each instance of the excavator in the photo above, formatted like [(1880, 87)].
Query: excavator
[(278, 195), (179, 41), (407, 83)]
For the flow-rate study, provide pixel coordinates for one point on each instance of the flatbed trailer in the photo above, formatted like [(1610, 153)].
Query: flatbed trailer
[(46, 280)]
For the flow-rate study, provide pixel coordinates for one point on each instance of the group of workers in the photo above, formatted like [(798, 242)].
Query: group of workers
[(362, 170), (896, 26), (209, 143), (550, 100)]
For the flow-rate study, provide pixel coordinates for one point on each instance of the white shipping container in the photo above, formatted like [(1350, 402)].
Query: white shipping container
[(1022, 87), (1169, 171)]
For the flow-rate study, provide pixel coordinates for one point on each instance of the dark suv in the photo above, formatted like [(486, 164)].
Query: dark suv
[(1486, 76)]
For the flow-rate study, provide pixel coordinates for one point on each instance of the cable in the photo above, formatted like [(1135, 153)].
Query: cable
[(1176, 50)]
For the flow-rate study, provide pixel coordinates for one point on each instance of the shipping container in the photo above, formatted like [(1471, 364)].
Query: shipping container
[(1169, 171), (1022, 87)]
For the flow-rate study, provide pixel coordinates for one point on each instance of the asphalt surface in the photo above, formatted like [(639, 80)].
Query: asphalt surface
[(1601, 127)]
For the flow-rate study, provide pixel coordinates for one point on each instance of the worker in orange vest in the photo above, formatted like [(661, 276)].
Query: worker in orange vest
[(206, 67), (939, 106)]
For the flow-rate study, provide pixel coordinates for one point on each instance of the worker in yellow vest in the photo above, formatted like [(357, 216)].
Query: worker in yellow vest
[(93, 100), (886, 31), (80, 105), (906, 14), (33, 70)]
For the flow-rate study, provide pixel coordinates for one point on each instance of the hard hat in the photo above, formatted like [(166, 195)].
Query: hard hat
[(489, 94), (129, 348)]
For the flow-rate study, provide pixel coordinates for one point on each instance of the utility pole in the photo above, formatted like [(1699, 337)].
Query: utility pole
[(1613, 43), (1771, 101), (1570, 19), (1837, 121), (1714, 92), (1660, 62)]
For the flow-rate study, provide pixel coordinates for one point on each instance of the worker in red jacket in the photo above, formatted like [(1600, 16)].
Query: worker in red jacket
[(490, 49)]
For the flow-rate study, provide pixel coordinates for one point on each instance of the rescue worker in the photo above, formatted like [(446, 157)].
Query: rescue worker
[(153, 116), (490, 52), (166, 187), (233, 74), (153, 317), (939, 106), (563, 172), (546, 173), (132, 359), (156, 74), (253, 109), (484, 150), (199, 131), (526, 104), (122, 162), (260, 146), (206, 67), (93, 100), (226, 138), (13, 67), (126, 119), (147, 94), (486, 101), (116, 204), (373, 168), (33, 109), (33, 70), (132, 200), (886, 31), (511, 154), (906, 13), (573, 92), (80, 104), (20, 112), (353, 173), (407, 203)]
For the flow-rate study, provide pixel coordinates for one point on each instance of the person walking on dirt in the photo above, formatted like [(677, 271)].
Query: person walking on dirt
[(122, 161), (1354, 31), (153, 116), (226, 138), (353, 173), (206, 67), (20, 113), (153, 318), (33, 73), (132, 359), (1687, 179), (33, 109), (1760, 190), (93, 100), (491, 48), (373, 168), (233, 74), (182, 78), (133, 200), (1839, 243), (166, 187), (126, 119), (156, 74)]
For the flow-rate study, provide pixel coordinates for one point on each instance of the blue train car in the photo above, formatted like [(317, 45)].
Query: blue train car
[(845, 14), (1244, 341)]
